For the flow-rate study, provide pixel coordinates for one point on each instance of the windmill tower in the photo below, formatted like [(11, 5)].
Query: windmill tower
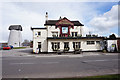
[(15, 37)]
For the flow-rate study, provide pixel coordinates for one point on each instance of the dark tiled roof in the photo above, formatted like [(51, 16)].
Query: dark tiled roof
[(15, 27), (37, 28), (53, 22)]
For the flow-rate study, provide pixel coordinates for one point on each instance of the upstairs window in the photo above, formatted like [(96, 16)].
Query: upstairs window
[(90, 42), (55, 34), (55, 46), (64, 30), (39, 33), (74, 34)]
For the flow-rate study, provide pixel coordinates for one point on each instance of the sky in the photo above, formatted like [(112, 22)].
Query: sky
[(98, 17)]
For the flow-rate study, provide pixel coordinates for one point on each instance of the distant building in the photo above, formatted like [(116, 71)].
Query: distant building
[(63, 34), (15, 36), (3, 44)]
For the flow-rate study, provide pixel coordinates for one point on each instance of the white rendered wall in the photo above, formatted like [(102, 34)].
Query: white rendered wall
[(92, 47), (109, 44), (76, 29), (52, 29), (15, 38), (42, 38), (84, 45)]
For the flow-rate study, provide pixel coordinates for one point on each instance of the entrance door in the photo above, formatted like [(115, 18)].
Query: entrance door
[(39, 47)]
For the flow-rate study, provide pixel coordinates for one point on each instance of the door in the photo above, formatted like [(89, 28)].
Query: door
[(39, 47)]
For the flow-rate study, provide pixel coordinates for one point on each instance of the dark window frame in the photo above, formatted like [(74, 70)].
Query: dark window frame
[(66, 46), (76, 45), (39, 33), (55, 46), (90, 42), (74, 34)]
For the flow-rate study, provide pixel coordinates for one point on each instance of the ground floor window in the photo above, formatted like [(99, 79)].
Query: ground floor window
[(66, 46), (97, 42), (76, 45), (90, 42), (55, 46)]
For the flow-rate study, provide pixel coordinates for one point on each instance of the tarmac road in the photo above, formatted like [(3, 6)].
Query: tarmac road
[(59, 67)]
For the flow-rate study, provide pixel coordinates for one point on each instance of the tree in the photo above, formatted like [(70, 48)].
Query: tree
[(26, 43), (112, 36)]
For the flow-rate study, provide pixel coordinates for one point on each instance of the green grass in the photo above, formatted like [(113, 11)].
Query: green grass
[(103, 77), (19, 47)]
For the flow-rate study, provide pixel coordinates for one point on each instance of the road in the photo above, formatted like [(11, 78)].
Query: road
[(58, 67)]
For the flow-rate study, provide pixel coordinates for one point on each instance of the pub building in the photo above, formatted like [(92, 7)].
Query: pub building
[(63, 35)]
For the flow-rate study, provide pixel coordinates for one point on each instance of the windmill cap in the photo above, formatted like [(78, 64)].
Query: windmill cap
[(15, 27)]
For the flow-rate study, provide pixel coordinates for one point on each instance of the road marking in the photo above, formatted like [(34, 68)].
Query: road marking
[(20, 63), (50, 62), (101, 60)]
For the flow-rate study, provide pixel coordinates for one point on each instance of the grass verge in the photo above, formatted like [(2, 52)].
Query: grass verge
[(103, 77), (19, 47)]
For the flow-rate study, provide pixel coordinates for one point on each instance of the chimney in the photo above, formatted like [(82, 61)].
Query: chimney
[(46, 16), (60, 18)]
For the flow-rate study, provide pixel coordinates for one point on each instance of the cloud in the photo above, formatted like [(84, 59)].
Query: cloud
[(103, 24), (30, 14), (16, 15), (33, 14)]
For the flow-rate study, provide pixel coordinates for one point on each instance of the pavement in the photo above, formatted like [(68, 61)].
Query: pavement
[(28, 53)]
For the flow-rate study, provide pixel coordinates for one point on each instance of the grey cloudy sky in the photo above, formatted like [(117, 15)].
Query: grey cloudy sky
[(98, 17)]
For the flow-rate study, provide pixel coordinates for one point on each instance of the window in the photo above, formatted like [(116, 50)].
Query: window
[(97, 42), (76, 45), (66, 46), (64, 30), (55, 46), (55, 34), (90, 42), (39, 33), (74, 34)]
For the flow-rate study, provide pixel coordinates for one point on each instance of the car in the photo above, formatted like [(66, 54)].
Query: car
[(11, 46), (6, 48)]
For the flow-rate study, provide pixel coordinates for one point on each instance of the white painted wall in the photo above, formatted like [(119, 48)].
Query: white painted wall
[(76, 29), (92, 47), (84, 45), (109, 44), (42, 38), (51, 29)]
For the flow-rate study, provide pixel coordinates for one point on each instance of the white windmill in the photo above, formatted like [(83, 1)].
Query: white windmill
[(15, 36)]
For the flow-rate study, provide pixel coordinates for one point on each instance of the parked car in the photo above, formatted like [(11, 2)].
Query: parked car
[(6, 48), (11, 46)]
